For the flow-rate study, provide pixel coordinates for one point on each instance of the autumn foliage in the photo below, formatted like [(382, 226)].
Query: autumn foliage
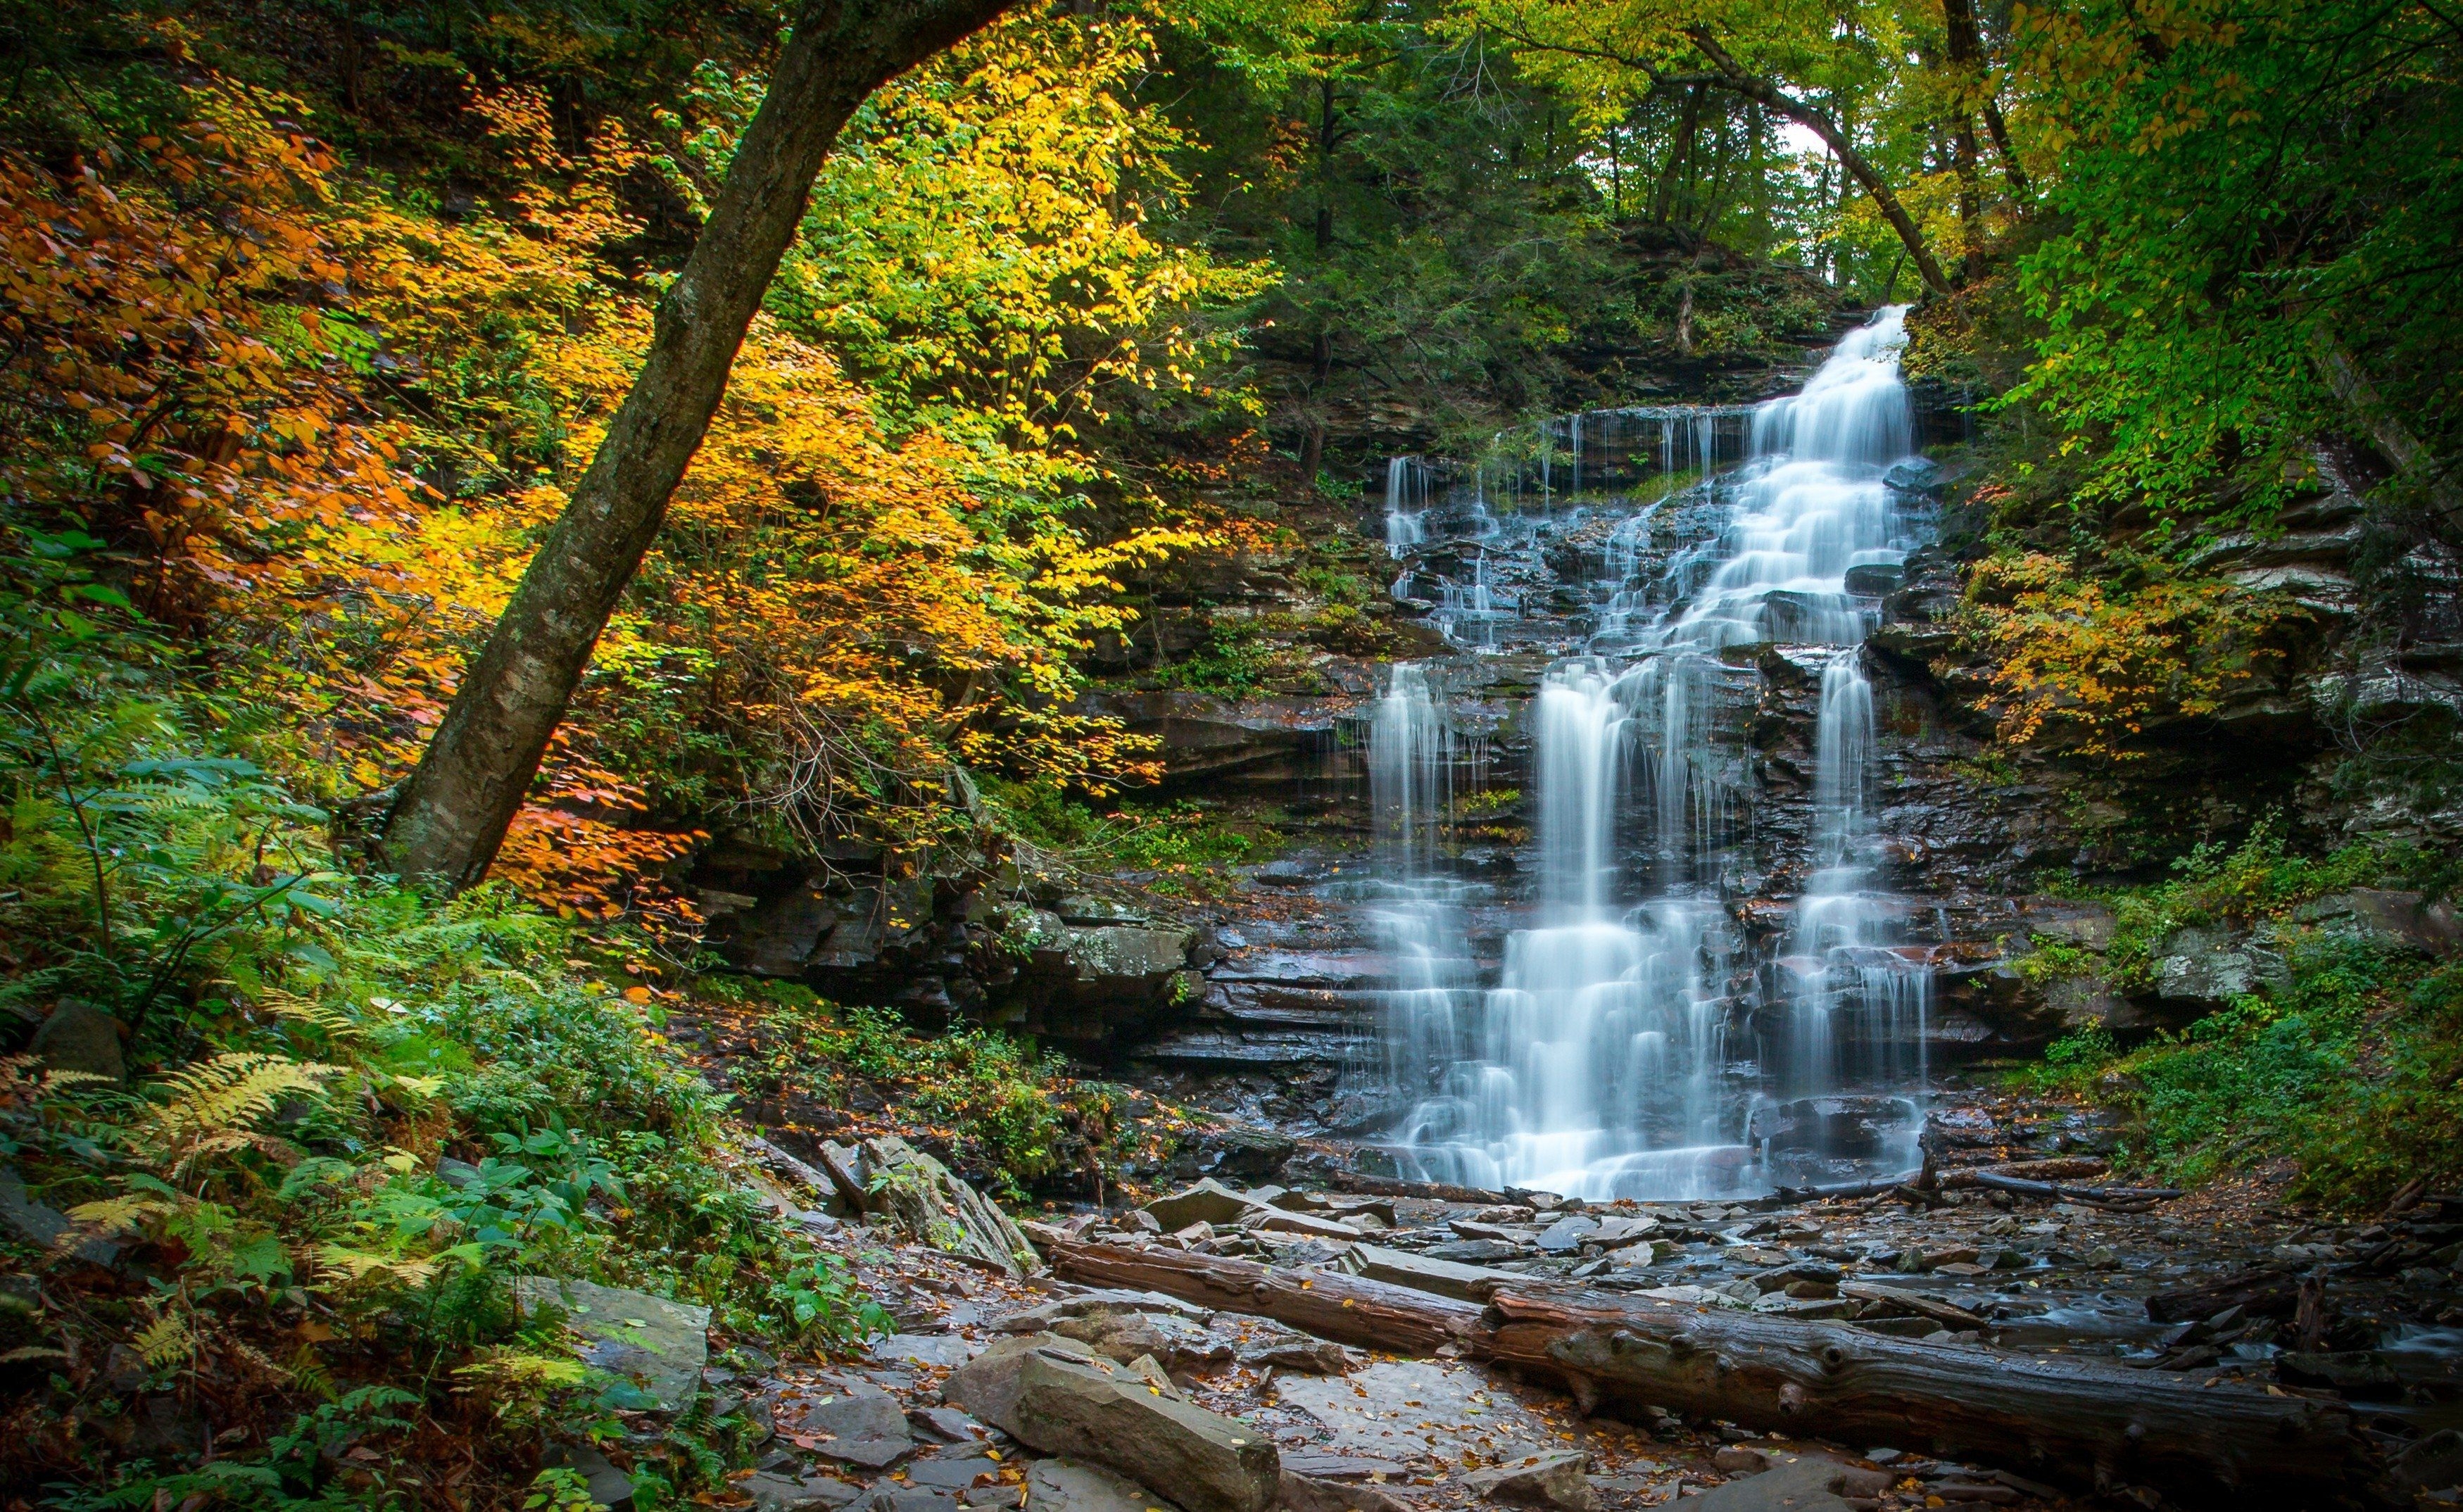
[(323, 421)]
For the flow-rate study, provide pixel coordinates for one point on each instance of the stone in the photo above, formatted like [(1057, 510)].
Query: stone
[(845, 1419), (1108, 1302), (1277, 1220), (1179, 1345), (771, 1491), (1075, 1485), (1422, 1273), (78, 1037), (1388, 1410), (1092, 1410), (1473, 1252), (1539, 1480), (987, 1386), (1300, 1493), (2433, 1462), (660, 1346), (1739, 1459), (610, 1487), (944, 1423), (2390, 919), (1210, 1202), (2213, 966), (952, 1469), (1913, 475), (917, 1195), (942, 1349), (41, 1225), (1566, 1235), (1265, 1343), (1793, 1483), (1318, 1466), (892, 1496), (1616, 1233)]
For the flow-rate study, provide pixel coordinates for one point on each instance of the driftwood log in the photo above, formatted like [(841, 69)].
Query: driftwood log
[(1348, 1309), (2081, 1422)]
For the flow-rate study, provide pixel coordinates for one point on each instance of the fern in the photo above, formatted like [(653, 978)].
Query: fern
[(358, 1266), (165, 1341), (334, 1023), (215, 1105)]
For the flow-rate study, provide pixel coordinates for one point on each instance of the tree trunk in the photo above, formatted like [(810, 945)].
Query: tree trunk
[(1967, 58), (455, 811), (1348, 1309), (1732, 76), (2350, 382), (2074, 1420), (2060, 1419)]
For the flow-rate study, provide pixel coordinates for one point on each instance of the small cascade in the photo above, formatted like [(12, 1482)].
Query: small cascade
[(1406, 494), (1629, 1045)]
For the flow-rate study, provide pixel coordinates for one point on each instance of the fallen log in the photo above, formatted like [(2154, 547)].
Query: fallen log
[(2078, 1421), (1432, 1191), (2053, 1170), (2058, 1419), (2128, 1199), (1348, 1309)]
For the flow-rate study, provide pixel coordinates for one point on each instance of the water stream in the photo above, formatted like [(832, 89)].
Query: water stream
[(1632, 1038)]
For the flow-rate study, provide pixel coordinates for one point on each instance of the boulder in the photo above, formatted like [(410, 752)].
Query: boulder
[(2391, 920), (917, 1193), (1093, 1410), (2212, 966), (41, 1225), (1210, 1202), (987, 1386), (1075, 1485), (1793, 1483), (660, 1346), (1539, 1480), (78, 1037)]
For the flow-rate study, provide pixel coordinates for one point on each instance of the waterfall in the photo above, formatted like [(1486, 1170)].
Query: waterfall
[(1612, 1058), (1411, 771), (1406, 491)]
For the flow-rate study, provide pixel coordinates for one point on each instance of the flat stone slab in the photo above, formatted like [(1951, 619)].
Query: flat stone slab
[(1074, 1485), (843, 1418), (945, 1349), (659, 1345), (777, 1492), (1793, 1483), (1416, 1410), (1420, 1273)]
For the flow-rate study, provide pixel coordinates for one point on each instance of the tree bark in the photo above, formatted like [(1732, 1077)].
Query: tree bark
[(1348, 1309), (1967, 56), (2063, 1420), (1732, 76), (454, 812), (2058, 1419)]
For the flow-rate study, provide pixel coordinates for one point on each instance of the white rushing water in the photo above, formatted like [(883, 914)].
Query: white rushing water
[(1601, 1063)]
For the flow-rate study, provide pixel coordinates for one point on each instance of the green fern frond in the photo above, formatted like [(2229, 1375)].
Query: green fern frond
[(165, 1341), (231, 1093), (334, 1023)]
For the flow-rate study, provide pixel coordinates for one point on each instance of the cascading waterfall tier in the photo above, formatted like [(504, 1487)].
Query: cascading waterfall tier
[(1633, 1044)]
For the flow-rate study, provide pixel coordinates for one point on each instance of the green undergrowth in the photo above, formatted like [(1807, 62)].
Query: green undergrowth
[(1185, 844), (2346, 1064), (350, 1117), (1002, 1113)]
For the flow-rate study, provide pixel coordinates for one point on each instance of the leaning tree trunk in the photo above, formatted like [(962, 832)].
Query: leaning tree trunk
[(454, 812)]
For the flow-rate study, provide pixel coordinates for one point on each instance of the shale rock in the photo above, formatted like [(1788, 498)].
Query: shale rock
[(1541, 1480), (1075, 1485), (779, 1493), (917, 1193), (1093, 1410), (660, 1346)]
